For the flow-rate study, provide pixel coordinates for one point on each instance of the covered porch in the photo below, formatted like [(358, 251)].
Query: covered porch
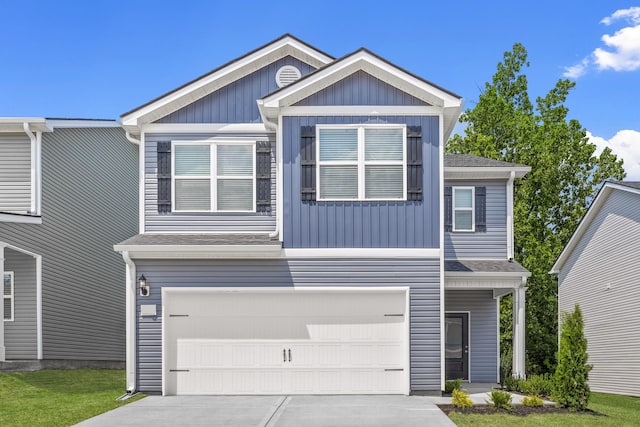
[(473, 289)]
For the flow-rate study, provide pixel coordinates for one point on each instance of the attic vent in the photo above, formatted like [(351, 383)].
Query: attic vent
[(286, 75)]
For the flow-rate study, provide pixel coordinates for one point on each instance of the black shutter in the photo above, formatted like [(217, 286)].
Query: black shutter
[(308, 161), (164, 176), (414, 163), (263, 176), (448, 209), (481, 209)]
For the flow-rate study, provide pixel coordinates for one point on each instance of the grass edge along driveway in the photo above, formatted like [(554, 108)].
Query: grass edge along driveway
[(59, 397), (618, 411)]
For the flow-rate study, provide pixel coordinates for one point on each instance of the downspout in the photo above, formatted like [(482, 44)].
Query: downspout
[(131, 138), (2, 348), (510, 249), (36, 141), (130, 322), (278, 130), (138, 142)]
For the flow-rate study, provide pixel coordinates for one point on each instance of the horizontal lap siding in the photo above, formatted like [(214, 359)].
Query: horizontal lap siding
[(15, 174), (360, 224), (20, 337), (260, 222), (422, 276), (602, 276), (89, 203), (236, 102), (483, 348), (491, 244)]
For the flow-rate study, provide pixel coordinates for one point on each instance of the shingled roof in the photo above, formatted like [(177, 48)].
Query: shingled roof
[(469, 160)]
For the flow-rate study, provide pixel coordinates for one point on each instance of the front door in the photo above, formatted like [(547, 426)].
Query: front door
[(456, 330)]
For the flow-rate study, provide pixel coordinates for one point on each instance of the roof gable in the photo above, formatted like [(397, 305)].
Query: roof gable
[(190, 92)]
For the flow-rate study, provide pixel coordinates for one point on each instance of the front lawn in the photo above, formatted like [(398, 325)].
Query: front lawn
[(617, 411), (58, 397)]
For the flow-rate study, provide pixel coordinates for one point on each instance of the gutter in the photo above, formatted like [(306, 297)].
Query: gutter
[(510, 242), (130, 323)]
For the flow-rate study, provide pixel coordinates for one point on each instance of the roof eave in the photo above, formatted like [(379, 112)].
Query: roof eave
[(487, 172)]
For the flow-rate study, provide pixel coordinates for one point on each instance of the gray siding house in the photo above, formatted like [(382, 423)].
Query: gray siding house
[(67, 193), (302, 231), (599, 270)]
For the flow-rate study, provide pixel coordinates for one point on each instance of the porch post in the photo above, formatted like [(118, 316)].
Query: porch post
[(519, 330), (2, 349)]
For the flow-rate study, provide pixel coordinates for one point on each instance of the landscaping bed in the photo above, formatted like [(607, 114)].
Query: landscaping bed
[(516, 410)]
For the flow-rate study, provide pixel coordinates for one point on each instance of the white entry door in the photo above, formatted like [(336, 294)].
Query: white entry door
[(284, 341)]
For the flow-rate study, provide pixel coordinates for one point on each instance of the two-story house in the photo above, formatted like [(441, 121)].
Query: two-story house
[(67, 193), (302, 231)]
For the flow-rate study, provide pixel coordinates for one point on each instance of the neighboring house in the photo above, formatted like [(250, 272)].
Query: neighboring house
[(301, 231), (67, 194), (599, 270)]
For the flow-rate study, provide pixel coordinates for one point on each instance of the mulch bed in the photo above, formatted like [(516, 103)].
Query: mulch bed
[(516, 410)]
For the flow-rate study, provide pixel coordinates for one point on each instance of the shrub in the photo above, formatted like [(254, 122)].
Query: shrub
[(570, 388), (449, 386), (537, 385), (532, 401), (512, 383), (460, 399), (500, 399), (506, 366)]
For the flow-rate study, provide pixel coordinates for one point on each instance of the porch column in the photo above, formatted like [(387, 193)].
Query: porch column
[(519, 330), (2, 349)]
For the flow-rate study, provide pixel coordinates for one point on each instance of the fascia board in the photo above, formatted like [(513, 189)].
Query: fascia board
[(16, 124), (220, 78), (200, 251), (485, 274), (463, 172), (593, 210)]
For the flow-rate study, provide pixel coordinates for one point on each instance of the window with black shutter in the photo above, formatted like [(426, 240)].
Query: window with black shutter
[(414, 163), (465, 209), (263, 176), (164, 176), (308, 162)]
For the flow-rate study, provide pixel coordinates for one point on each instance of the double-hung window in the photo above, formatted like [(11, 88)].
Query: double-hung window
[(366, 162), (463, 209), (8, 296), (214, 176)]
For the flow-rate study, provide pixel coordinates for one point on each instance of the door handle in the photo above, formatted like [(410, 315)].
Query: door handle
[(289, 355), (284, 355)]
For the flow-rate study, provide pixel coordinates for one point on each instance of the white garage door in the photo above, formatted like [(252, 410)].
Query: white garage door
[(283, 341)]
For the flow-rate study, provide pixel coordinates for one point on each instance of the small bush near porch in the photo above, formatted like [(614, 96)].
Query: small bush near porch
[(58, 397)]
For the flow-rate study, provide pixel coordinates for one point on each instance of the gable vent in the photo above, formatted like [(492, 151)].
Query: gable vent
[(287, 75)]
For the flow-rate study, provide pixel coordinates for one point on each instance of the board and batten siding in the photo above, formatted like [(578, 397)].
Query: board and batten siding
[(421, 275), (236, 102), (602, 275), (89, 203), (15, 174), (491, 244), (361, 88), (20, 335), (256, 222), (483, 318), (384, 224)]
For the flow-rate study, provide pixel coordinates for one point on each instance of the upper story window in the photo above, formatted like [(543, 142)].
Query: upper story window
[(8, 296), (463, 209), (213, 176), (366, 162)]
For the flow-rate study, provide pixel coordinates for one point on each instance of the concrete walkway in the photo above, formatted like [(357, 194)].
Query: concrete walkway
[(268, 411)]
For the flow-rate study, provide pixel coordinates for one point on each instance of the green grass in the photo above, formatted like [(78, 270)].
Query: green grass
[(58, 397), (619, 410)]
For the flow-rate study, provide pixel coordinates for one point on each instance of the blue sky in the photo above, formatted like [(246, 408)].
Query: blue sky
[(99, 59)]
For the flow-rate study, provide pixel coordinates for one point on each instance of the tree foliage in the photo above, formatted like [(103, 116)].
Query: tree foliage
[(570, 379), (550, 201)]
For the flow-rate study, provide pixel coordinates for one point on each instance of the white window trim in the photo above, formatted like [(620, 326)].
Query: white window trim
[(361, 163), (213, 176), (472, 209), (11, 296)]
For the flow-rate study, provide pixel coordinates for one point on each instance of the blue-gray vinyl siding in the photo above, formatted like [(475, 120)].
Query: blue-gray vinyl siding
[(483, 330), (258, 222), (361, 88), (491, 244), (89, 203), (20, 335), (386, 224), (602, 275), (236, 102), (421, 275), (15, 174)]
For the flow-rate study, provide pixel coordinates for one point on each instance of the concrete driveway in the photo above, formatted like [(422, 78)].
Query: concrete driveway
[(280, 411)]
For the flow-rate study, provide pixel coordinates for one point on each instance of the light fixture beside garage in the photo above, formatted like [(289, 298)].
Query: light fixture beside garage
[(144, 286)]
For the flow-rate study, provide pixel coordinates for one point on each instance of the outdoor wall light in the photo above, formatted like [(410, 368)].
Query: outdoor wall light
[(144, 286)]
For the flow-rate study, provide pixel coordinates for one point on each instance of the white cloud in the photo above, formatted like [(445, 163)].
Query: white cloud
[(626, 145), (622, 49)]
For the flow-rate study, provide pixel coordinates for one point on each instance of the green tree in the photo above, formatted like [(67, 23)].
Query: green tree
[(570, 379), (550, 201)]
